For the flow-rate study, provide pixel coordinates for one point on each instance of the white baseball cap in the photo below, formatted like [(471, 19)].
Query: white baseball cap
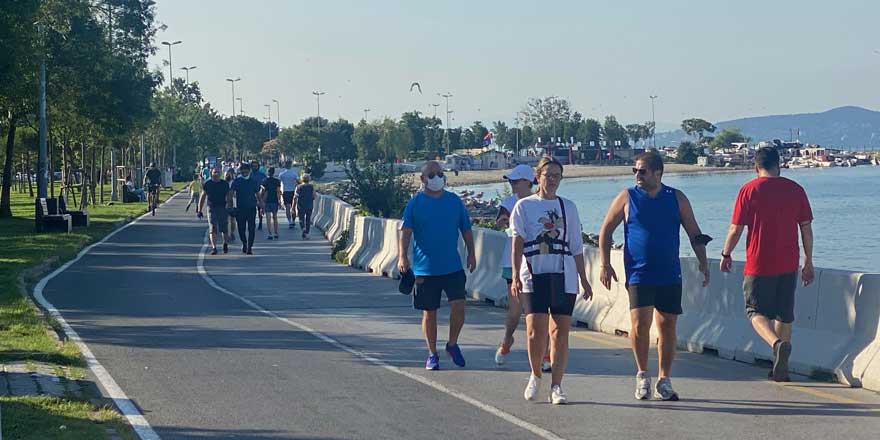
[(521, 172)]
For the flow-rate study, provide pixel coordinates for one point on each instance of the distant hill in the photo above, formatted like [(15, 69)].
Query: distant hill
[(843, 127)]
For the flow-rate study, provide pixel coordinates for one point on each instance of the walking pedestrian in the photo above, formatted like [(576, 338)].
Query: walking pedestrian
[(216, 193), (230, 177), (653, 214), (258, 177), (245, 192), (304, 202), (195, 188), (270, 195), (432, 222), (774, 209), (289, 180), (521, 179), (548, 261)]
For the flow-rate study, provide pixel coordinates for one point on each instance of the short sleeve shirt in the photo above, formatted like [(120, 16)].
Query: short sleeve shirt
[(272, 185), (436, 223), (546, 236), (245, 192), (289, 180), (154, 176), (216, 193), (772, 208)]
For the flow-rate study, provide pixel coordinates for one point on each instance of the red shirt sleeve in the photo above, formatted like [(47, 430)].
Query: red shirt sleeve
[(742, 210), (805, 214)]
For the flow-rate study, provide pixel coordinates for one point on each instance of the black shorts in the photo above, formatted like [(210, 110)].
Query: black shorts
[(548, 295), (287, 196), (153, 188), (771, 296), (218, 219), (666, 299), (426, 295)]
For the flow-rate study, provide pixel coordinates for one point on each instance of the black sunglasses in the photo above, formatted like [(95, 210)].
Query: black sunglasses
[(640, 171), (433, 175)]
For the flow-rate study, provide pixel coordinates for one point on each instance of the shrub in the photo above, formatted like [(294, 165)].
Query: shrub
[(377, 189), (337, 252)]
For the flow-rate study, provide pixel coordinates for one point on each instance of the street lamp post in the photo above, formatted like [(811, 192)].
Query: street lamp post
[(240, 106), (43, 153), (654, 122), (232, 83), (446, 95), (187, 69), (366, 114), (170, 70), (277, 113), (435, 109), (320, 126), (269, 119)]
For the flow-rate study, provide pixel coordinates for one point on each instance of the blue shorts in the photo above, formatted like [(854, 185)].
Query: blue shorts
[(272, 207)]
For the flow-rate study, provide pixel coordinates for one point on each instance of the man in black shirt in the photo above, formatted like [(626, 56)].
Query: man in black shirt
[(219, 197), (245, 191), (271, 196), (152, 182)]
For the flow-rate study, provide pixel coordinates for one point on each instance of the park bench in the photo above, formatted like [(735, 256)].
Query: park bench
[(46, 222), (77, 218)]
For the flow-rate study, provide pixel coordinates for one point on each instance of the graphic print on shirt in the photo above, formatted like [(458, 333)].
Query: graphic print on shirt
[(553, 223)]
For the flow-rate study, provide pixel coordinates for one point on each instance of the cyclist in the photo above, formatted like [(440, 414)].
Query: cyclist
[(153, 181)]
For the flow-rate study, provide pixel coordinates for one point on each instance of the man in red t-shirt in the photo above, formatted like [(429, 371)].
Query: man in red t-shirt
[(773, 208)]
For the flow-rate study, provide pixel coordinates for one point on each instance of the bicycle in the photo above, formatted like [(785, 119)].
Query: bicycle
[(153, 198)]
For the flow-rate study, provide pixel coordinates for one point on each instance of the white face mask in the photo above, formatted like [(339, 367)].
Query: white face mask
[(246, 177), (435, 184)]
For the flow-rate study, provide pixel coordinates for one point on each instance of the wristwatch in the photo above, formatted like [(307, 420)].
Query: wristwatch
[(723, 255)]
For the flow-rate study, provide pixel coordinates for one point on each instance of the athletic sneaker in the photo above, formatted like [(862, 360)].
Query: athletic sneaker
[(532, 387), (501, 354), (557, 396), (214, 251), (664, 391), (433, 362), (269, 237), (244, 248), (546, 365), (250, 252), (643, 386), (276, 236), (225, 248), (455, 353), (781, 352)]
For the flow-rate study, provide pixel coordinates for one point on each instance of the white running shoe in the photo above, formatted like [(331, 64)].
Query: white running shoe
[(501, 355), (664, 391), (531, 391), (643, 386), (557, 396)]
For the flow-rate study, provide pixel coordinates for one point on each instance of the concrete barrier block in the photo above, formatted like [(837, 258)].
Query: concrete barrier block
[(594, 311), (486, 282), (384, 262), (860, 363), (356, 243)]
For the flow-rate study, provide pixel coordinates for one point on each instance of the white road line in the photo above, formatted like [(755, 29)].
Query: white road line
[(126, 406), (534, 429)]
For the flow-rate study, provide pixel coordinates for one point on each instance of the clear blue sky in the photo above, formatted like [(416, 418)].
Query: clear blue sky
[(713, 59)]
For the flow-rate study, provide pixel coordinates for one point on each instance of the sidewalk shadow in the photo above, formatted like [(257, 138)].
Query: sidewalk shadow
[(752, 407)]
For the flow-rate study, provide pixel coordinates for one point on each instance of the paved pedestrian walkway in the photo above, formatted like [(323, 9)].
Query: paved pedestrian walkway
[(289, 344)]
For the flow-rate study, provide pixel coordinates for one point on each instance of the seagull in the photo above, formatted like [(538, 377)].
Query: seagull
[(415, 85)]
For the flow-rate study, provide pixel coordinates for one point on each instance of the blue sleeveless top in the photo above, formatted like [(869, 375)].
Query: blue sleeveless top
[(650, 254)]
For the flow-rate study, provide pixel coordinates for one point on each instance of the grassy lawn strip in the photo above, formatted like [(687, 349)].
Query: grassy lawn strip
[(49, 418), (23, 336)]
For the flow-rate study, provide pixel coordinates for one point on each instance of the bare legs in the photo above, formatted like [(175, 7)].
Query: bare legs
[(640, 338), (771, 330), (540, 327), (456, 322)]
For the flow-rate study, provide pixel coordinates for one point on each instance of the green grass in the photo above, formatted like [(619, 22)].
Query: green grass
[(49, 418), (23, 334)]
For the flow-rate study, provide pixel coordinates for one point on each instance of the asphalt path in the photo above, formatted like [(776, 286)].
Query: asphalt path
[(288, 344)]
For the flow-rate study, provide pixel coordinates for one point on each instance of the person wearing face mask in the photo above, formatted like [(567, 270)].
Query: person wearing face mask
[(246, 192), (229, 178), (432, 222)]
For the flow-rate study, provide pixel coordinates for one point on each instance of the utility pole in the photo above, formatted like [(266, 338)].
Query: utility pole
[(269, 119), (653, 121), (42, 171), (277, 113), (232, 83), (170, 70)]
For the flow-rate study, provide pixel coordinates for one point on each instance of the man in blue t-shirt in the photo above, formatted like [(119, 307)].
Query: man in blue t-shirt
[(245, 189), (434, 218)]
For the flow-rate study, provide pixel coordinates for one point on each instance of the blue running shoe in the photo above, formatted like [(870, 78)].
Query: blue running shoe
[(433, 362), (455, 353)]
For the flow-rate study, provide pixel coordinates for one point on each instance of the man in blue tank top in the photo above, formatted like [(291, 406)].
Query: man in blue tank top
[(652, 214)]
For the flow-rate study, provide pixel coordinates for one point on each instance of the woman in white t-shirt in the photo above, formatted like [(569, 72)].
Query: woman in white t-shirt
[(521, 179), (548, 260)]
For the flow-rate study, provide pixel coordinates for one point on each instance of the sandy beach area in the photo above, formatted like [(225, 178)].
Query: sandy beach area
[(481, 177)]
